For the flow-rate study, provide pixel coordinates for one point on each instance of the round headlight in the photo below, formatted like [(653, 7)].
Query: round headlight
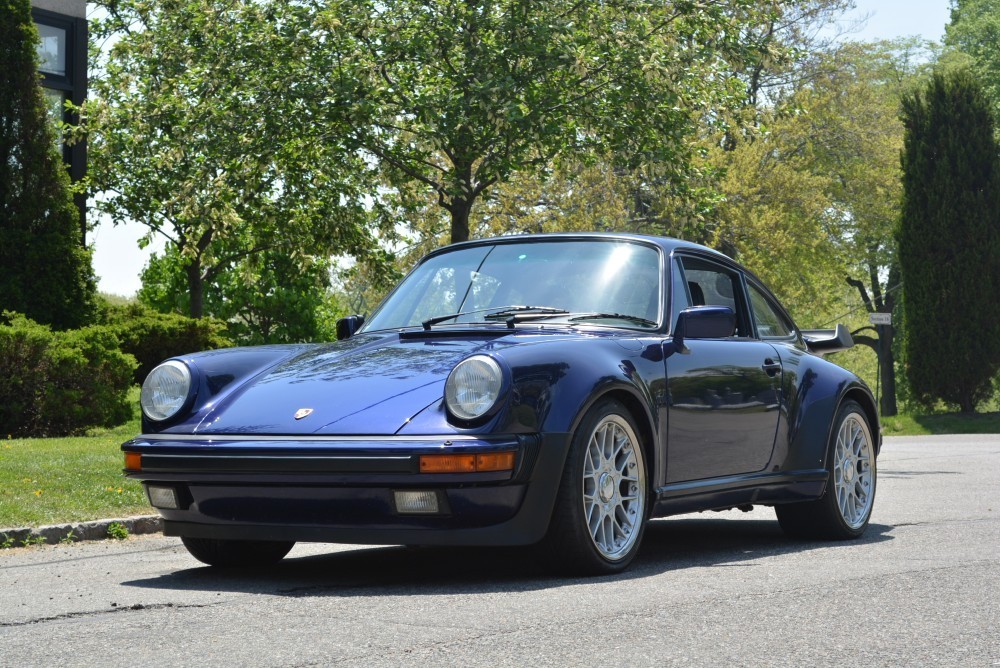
[(473, 387), (165, 390)]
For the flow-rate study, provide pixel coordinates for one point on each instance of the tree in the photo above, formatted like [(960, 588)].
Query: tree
[(788, 41), (459, 95), (811, 201), (269, 297), (973, 30), (46, 274), (198, 131), (949, 241), (860, 138)]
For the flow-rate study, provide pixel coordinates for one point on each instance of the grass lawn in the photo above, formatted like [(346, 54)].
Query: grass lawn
[(943, 423), (56, 480)]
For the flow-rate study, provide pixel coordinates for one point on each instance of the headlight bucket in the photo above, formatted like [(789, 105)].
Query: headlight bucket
[(474, 388), (165, 391)]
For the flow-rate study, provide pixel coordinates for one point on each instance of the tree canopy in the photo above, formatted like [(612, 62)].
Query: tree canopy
[(457, 96), (974, 30), (197, 132)]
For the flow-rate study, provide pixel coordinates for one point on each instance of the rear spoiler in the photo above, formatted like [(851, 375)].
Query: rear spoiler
[(828, 341)]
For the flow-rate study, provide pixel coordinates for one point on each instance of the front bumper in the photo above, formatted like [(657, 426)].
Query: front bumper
[(341, 489)]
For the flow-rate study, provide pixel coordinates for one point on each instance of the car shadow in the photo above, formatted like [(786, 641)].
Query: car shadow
[(669, 545)]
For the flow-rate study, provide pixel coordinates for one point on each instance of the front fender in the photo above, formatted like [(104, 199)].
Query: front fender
[(553, 386)]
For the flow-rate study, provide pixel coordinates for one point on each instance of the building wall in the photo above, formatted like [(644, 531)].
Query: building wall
[(74, 8)]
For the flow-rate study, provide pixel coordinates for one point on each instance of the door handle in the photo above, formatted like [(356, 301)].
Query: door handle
[(771, 368)]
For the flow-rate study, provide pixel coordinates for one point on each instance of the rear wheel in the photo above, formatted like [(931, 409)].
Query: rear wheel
[(601, 509), (236, 553), (845, 508)]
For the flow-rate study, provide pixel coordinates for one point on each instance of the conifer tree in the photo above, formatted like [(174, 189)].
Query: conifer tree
[(949, 241), (46, 273)]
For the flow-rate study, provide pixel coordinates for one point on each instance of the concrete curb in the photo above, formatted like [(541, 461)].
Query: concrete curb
[(93, 530)]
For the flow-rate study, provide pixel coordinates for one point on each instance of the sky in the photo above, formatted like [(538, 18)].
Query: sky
[(118, 261)]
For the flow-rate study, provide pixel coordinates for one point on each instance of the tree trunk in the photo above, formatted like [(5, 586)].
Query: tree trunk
[(196, 289), (460, 209), (887, 371)]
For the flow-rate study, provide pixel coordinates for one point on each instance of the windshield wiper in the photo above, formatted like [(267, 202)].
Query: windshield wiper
[(509, 311), (503, 313), (615, 316)]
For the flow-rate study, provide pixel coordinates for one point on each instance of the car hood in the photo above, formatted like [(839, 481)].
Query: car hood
[(371, 384)]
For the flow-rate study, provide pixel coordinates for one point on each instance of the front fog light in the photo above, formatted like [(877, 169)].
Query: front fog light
[(417, 502), (163, 497)]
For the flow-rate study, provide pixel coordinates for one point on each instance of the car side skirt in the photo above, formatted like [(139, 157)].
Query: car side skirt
[(731, 491)]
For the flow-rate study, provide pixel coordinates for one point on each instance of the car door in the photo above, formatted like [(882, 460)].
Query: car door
[(723, 394)]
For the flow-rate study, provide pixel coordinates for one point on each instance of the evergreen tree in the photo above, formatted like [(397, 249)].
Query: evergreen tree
[(949, 241), (46, 273)]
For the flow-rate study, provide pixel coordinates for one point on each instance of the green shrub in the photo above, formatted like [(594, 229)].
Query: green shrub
[(61, 383), (151, 336)]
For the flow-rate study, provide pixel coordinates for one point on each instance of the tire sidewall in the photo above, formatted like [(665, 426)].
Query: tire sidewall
[(848, 409), (571, 492)]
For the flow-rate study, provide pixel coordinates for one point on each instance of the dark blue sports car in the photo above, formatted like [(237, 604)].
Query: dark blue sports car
[(554, 391)]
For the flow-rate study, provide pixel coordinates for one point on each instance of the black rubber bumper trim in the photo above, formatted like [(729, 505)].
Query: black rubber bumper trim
[(159, 463)]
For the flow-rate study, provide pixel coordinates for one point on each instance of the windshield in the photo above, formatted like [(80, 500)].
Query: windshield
[(614, 282)]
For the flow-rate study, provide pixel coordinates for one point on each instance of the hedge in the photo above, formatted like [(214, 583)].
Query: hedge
[(61, 383), (151, 336)]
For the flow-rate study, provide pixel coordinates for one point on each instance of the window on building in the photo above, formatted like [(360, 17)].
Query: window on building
[(52, 49)]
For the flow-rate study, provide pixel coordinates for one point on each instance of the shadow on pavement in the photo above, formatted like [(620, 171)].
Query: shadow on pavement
[(669, 545)]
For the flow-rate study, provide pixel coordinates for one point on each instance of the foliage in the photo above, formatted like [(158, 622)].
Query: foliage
[(776, 216), (267, 298), (787, 42), (117, 531), (811, 199), (58, 383), (46, 270), (949, 241), (974, 27), (451, 98), (199, 131), (152, 337)]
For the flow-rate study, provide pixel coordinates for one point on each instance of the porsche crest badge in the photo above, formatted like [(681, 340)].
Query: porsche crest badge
[(302, 412)]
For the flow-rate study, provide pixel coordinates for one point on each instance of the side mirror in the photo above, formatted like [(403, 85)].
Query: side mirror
[(346, 327), (704, 322)]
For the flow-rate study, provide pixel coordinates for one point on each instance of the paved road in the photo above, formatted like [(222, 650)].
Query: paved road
[(922, 588)]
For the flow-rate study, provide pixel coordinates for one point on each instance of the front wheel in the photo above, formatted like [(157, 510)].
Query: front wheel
[(236, 553), (602, 505), (845, 508)]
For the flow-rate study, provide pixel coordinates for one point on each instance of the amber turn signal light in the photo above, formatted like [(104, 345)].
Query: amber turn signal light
[(494, 461), (133, 461)]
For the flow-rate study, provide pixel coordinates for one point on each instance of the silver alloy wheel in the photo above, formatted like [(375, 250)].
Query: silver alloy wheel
[(853, 472), (614, 487)]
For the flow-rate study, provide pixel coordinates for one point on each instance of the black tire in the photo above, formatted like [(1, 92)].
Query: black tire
[(603, 502), (236, 553), (844, 510)]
